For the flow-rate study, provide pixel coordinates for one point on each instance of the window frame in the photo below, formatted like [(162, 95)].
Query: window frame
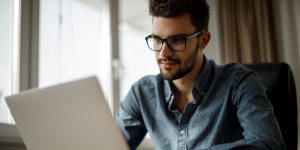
[(29, 48)]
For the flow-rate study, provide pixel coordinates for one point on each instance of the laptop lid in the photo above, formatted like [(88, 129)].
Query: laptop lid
[(68, 116)]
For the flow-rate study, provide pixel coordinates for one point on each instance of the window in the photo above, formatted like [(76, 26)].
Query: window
[(9, 53), (137, 60), (74, 42)]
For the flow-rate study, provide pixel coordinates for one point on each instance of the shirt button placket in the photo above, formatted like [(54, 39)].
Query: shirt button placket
[(182, 139)]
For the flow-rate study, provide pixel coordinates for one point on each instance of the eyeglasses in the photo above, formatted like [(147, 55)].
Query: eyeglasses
[(175, 43)]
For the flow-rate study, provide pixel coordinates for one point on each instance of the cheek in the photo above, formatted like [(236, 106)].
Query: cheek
[(190, 50), (190, 46)]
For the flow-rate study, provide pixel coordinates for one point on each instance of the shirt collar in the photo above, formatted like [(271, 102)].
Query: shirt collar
[(204, 80), (168, 91)]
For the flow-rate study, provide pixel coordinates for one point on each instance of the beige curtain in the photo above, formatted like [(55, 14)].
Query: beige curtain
[(248, 31)]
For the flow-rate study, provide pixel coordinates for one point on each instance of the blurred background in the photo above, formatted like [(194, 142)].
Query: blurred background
[(45, 42)]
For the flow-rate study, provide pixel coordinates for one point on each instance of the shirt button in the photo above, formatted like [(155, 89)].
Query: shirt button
[(182, 132)]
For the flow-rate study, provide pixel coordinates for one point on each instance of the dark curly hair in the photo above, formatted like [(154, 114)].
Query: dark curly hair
[(198, 10)]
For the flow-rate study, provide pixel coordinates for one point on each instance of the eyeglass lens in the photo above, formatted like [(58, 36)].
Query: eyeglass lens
[(175, 43)]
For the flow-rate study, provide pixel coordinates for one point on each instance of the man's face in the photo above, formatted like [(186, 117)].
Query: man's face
[(176, 64)]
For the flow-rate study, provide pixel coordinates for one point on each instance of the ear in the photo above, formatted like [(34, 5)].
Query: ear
[(204, 39)]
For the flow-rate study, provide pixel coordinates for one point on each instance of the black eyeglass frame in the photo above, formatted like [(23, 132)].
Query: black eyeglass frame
[(185, 38)]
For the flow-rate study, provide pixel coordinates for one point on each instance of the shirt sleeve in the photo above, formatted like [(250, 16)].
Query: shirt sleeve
[(130, 120), (255, 114)]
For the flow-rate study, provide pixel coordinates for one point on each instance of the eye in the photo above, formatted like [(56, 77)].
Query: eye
[(156, 40), (176, 40)]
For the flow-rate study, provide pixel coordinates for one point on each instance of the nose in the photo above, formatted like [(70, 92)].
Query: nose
[(165, 50)]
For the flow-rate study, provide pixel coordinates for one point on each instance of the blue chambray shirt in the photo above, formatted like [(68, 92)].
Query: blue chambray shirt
[(229, 111)]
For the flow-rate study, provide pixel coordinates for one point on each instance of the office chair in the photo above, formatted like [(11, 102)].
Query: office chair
[(281, 91)]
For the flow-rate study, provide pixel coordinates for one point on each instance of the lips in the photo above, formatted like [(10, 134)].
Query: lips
[(167, 64)]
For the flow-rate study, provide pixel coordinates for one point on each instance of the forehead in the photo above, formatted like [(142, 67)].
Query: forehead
[(165, 27)]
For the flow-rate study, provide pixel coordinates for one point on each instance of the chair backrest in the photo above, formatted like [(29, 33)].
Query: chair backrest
[(281, 91)]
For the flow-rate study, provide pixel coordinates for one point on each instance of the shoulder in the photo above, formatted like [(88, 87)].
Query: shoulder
[(234, 74), (232, 70), (141, 90), (148, 83), (242, 79), (241, 82), (149, 80)]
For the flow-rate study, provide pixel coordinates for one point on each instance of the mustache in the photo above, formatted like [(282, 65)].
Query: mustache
[(163, 59)]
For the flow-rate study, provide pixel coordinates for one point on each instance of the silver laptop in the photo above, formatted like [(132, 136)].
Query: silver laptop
[(68, 116)]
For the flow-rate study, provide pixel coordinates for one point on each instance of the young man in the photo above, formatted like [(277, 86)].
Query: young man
[(193, 103)]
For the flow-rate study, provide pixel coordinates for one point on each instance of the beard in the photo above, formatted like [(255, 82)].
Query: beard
[(188, 65)]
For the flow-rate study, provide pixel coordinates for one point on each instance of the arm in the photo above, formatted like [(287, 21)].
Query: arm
[(255, 114), (130, 120)]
